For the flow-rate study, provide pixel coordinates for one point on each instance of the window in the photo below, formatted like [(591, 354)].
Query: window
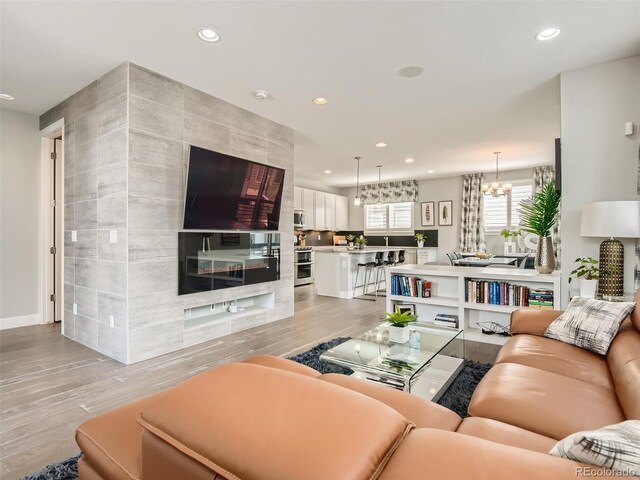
[(396, 218), (502, 212)]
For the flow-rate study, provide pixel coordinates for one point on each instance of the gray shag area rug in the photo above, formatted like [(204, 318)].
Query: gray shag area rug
[(456, 398)]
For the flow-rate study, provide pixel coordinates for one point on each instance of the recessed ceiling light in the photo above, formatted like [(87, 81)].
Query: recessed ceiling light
[(208, 35), (411, 71), (320, 101), (429, 171), (261, 94), (6, 96), (547, 34), (381, 144), (409, 160), (327, 171)]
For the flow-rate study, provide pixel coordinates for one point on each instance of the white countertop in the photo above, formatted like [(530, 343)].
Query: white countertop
[(350, 250)]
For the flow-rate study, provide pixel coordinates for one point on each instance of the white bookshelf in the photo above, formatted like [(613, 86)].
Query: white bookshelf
[(448, 295)]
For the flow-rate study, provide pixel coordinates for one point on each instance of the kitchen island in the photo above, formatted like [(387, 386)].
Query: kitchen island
[(336, 267)]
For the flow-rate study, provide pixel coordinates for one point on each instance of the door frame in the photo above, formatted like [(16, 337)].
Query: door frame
[(45, 266)]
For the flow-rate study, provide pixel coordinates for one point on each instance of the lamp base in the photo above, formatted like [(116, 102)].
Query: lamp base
[(612, 255)]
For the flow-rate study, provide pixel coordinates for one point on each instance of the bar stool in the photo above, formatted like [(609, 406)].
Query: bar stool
[(368, 268), (400, 260)]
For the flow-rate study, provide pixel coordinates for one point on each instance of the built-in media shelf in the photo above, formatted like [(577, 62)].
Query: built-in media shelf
[(215, 320), (449, 295)]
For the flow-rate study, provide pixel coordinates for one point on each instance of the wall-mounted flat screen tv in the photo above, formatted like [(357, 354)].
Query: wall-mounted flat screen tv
[(230, 193)]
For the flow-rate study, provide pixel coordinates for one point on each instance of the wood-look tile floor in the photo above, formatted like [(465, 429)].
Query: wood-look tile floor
[(50, 384)]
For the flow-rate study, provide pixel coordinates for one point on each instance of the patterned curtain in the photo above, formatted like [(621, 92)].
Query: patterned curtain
[(637, 267), (471, 221), (542, 176), (390, 192)]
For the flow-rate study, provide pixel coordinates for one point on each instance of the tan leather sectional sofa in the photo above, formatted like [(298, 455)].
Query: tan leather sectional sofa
[(269, 418)]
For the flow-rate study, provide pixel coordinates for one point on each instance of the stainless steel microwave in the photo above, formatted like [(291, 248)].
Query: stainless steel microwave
[(299, 219)]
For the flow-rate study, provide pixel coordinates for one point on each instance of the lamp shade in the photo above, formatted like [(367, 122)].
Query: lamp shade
[(619, 219)]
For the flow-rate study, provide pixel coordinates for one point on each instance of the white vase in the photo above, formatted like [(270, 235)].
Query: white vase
[(588, 288), (509, 247), (420, 244), (399, 334)]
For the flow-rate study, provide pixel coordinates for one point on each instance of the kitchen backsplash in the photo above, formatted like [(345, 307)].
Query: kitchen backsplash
[(326, 238)]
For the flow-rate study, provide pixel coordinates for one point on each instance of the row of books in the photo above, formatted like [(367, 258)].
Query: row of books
[(495, 293), (410, 286)]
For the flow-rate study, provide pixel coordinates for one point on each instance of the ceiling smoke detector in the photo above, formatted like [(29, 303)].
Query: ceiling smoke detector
[(261, 94), (411, 71)]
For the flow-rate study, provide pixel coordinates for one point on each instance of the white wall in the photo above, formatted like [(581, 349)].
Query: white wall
[(313, 185), (19, 194), (598, 161)]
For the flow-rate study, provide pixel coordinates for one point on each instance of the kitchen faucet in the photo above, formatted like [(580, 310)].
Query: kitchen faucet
[(386, 241)]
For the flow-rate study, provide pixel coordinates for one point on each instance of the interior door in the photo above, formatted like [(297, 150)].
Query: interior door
[(56, 234)]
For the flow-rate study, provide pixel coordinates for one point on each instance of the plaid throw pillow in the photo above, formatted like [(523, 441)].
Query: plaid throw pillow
[(589, 323), (616, 447)]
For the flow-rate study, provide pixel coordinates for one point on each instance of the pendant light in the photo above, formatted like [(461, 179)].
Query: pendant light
[(357, 201), (495, 189), (379, 177)]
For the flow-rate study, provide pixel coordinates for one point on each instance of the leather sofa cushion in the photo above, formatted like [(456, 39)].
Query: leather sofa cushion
[(506, 434), (624, 348), (282, 364), (628, 389), (435, 454), (111, 442), (249, 421), (635, 315), (543, 402), (417, 410), (557, 357)]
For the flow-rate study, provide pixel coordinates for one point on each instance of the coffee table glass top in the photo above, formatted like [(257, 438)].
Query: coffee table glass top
[(372, 352)]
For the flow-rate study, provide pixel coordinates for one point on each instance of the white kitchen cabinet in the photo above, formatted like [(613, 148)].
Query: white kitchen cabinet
[(426, 255), (330, 211), (342, 213), (319, 210), (410, 257), (298, 198), (308, 199)]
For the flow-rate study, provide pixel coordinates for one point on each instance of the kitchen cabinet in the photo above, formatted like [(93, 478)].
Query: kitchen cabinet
[(298, 203), (426, 255), (324, 211), (308, 198), (319, 211), (342, 213), (330, 211)]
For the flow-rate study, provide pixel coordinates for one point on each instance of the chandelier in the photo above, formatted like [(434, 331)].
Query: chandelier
[(495, 189)]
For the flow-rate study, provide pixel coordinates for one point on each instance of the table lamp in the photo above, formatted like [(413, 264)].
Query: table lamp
[(619, 219)]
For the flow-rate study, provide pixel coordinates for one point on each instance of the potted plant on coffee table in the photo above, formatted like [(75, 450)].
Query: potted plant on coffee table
[(588, 273), (420, 238), (399, 320), (538, 215)]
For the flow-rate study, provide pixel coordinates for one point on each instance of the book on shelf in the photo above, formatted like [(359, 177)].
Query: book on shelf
[(541, 298), (446, 320), (495, 292), (410, 286)]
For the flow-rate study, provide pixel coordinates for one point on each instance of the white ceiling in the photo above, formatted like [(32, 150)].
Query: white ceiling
[(488, 85)]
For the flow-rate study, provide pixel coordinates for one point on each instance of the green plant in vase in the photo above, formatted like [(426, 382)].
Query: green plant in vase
[(399, 320), (588, 273), (509, 236), (350, 238), (538, 215), (420, 238), (361, 242)]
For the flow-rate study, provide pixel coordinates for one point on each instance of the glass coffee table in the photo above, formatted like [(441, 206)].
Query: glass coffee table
[(425, 365)]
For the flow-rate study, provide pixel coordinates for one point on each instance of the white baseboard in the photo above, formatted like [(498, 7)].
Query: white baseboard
[(21, 321)]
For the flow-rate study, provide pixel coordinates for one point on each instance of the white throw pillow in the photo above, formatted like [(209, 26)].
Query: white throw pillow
[(616, 447), (589, 323)]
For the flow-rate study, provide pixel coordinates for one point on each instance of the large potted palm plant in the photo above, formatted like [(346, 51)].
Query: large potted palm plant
[(538, 215)]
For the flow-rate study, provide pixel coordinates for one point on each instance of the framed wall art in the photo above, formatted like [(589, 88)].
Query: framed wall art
[(428, 214), (445, 213)]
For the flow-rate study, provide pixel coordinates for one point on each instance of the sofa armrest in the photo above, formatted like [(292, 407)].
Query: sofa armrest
[(533, 321), (431, 453)]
